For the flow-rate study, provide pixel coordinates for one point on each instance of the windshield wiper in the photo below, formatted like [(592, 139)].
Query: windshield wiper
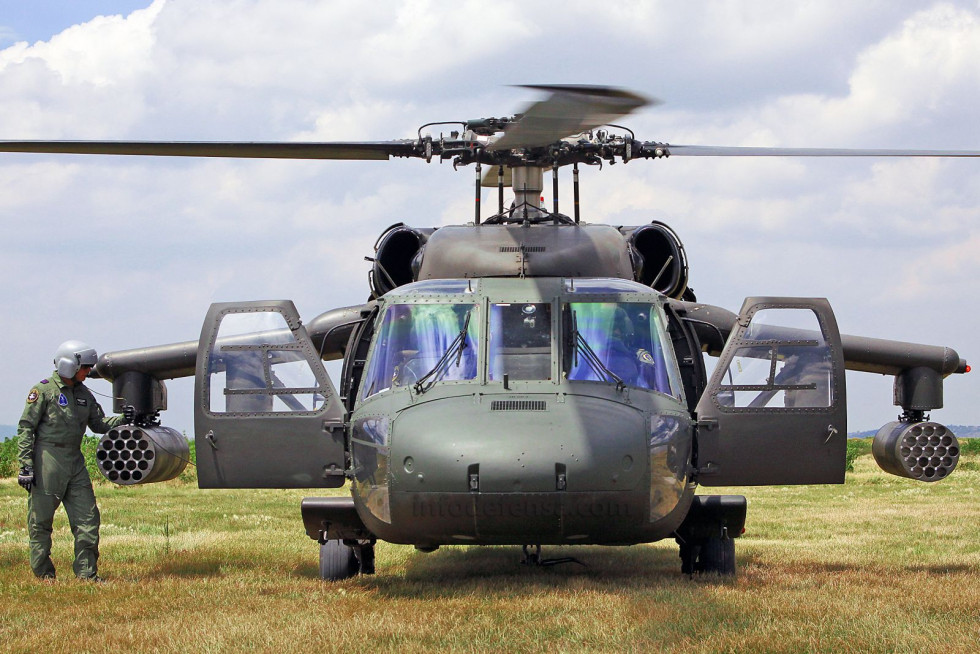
[(456, 347), (591, 358)]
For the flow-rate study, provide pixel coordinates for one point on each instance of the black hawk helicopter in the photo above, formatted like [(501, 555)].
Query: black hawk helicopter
[(522, 379)]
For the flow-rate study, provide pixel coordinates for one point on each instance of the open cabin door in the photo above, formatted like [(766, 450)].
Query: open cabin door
[(266, 414), (775, 410)]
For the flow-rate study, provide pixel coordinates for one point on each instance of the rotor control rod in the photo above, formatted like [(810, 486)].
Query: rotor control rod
[(575, 191), (500, 190), (479, 179)]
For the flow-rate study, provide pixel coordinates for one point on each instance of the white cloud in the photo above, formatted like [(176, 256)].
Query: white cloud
[(105, 51), (928, 69), (94, 67), (127, 252)]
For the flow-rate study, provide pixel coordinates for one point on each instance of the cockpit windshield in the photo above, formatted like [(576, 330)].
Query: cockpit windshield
[(622, 338), (519, 341), (610, 335), (412, 340)]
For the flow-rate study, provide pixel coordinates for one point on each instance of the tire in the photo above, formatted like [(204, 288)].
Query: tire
[(337, 561), (718, 556)]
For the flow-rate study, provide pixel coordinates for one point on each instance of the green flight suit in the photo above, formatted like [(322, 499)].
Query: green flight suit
[(50, 437)]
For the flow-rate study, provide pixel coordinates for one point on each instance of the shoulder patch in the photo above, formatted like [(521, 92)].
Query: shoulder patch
[(32, 396), (44, 381)]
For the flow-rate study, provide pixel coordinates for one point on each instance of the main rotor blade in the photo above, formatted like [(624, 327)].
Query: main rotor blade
[(724, 151), (367, 150), (568, 110)]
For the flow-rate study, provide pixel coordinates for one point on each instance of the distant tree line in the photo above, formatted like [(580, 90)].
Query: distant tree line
[(961, 431)]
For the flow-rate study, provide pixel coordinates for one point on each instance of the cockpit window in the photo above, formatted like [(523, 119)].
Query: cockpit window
[(519, 341), (604, 285), (412, 340), (437, 287), (622, 338)]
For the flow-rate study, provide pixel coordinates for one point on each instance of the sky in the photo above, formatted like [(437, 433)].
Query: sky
[(125, 252)]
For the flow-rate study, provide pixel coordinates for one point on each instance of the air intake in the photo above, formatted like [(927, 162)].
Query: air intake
[(526, 248), (518, 405)]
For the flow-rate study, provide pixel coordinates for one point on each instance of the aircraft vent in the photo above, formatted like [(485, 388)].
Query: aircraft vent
[(526, 248), (518, 405)]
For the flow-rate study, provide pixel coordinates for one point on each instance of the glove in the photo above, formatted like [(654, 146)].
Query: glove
[(26, 477), (129, 413)]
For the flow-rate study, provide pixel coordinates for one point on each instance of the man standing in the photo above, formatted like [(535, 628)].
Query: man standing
[(52, 466)]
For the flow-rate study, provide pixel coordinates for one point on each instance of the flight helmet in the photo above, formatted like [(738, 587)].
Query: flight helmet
[(71, 356)]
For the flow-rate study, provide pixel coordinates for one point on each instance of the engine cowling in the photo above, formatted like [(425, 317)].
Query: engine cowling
[(395, 258), (663, 261), (926, 451)]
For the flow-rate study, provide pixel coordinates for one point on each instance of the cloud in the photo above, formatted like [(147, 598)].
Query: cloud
[(127, 252), (93, 66), (901, 85), (104, 51)]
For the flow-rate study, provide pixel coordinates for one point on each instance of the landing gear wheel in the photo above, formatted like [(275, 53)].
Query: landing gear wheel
[(717, 556), (338, 561)]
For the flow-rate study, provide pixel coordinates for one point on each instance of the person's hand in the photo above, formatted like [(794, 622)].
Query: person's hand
[(26, 477)]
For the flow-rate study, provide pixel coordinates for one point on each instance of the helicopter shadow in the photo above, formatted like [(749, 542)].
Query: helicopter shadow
[(479, 570)]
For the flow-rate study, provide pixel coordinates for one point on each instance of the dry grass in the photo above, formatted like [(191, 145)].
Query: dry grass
[(880, 564)]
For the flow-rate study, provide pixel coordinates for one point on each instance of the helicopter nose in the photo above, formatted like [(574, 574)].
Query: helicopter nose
[(516, 445), (513, 470)]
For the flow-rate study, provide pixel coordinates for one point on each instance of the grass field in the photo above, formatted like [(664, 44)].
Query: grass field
[(880, 564)]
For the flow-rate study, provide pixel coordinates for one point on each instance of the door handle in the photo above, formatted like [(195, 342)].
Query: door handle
[(831, 432), (209, 437)]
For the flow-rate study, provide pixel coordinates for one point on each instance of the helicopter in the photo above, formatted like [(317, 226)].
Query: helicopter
[(525, 378)]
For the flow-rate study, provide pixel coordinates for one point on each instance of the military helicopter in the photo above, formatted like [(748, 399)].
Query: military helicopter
[(525, 378)]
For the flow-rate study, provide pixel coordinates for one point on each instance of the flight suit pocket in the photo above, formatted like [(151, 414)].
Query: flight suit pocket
[(52, 469)]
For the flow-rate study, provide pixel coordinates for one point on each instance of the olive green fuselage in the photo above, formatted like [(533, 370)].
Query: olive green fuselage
[(494, 460)]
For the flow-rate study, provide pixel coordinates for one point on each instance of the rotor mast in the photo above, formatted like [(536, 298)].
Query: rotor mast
[(528, 182)]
